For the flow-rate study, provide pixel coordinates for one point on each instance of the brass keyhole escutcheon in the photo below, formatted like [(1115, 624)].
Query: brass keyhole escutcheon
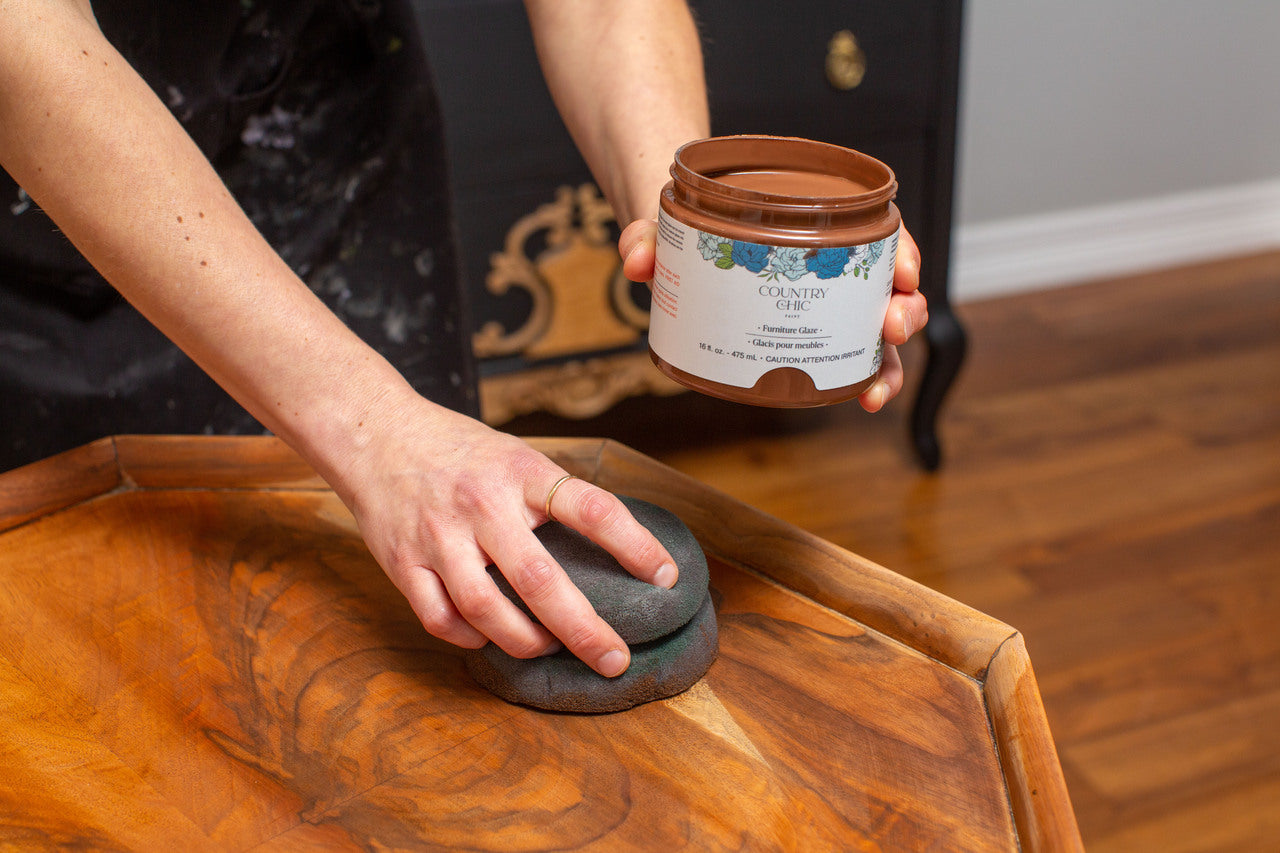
[(846, 62)]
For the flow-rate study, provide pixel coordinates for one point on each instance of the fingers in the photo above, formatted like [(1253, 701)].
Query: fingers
[(430, 601), (551, 595), (906, 269), (457, 600), (908, 309), (460, 604), (887, 385), (487, 610), (638, 247), (907, 314), (558, 604), (602, 518)]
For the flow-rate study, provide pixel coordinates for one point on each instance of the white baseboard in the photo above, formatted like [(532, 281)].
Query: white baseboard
[(1068, 247)]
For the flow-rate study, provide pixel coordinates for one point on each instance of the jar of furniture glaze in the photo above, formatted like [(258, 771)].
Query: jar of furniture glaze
[(774, 270)]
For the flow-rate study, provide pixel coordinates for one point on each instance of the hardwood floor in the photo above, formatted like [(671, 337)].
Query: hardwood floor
[(1110, 487)]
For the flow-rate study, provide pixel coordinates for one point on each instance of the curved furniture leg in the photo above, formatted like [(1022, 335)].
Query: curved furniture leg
[(947, 342)]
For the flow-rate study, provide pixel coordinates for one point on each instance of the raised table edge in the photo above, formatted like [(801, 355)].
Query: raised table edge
[(953, 634)]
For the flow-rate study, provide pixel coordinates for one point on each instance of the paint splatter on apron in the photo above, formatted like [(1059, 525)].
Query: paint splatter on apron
[(321, 118)]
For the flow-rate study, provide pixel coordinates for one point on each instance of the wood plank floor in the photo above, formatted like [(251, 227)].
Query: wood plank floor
[(1110, 487)]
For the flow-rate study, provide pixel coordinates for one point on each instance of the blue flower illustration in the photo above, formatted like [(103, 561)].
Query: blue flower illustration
[(866, 256), (873, 253), (789, 261), (752, 256), (793, 262), (709, 245), (828, 263)]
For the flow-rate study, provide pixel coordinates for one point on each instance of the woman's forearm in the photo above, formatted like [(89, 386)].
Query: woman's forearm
[(90, 142), (627, 77)]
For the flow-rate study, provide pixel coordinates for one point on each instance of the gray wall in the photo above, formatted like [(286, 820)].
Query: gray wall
[(1079, 103)]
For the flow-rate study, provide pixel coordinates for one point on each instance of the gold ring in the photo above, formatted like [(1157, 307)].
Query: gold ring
[(546, 510)]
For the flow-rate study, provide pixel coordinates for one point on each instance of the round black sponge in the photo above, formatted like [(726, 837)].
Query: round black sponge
[(671, 632), (561, 682)]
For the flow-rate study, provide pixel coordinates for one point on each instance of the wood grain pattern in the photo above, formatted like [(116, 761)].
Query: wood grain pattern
[(1112, 489), (59, 481), (228, 668)]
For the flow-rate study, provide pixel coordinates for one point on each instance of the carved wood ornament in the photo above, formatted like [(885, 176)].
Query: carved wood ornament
[(581, 303)]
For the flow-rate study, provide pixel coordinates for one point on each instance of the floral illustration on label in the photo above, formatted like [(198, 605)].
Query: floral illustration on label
[(790, 262)]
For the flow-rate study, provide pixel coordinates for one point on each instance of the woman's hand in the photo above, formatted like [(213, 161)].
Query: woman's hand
[(439, 496), (907, 314)]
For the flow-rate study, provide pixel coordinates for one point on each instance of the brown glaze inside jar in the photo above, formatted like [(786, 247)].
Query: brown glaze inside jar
[(779, 191), (792, 182)]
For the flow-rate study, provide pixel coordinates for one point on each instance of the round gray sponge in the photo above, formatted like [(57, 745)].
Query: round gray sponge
[(561, 682), (638, 611), (672, 633)]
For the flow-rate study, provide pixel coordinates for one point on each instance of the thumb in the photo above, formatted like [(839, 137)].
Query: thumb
[(638, 247)]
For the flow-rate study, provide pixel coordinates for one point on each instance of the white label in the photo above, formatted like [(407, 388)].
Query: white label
[(731, 311)]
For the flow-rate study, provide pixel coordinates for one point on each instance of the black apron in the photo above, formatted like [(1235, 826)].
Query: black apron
[(321, 118)]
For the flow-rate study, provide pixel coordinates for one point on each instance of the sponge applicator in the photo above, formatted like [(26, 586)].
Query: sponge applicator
[(671, 632)]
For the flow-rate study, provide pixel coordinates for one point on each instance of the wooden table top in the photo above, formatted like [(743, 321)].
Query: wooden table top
[(198, 652)]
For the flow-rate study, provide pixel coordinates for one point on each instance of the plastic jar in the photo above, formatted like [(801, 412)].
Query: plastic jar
[(774, 270)]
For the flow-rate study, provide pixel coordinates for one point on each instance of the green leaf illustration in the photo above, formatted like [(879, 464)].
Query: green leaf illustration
[(725, 261)]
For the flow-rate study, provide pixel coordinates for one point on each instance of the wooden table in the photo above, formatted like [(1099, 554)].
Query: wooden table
[(197, 652)]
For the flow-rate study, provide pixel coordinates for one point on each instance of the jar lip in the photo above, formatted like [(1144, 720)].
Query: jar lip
[(697, 163)]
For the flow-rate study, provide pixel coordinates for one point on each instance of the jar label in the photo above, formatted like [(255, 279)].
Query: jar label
[(731, 311)]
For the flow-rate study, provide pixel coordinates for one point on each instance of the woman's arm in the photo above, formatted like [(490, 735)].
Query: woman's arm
[(627, 77), (437, 495)]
